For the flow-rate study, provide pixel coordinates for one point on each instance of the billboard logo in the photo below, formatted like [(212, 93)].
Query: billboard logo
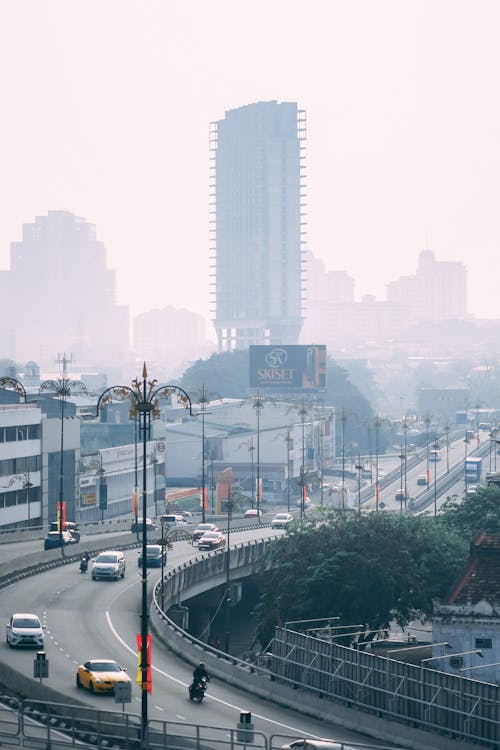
[(276, 358), (288, 367)]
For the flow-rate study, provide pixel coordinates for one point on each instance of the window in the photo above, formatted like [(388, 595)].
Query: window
[(456, 662), (483, 643)]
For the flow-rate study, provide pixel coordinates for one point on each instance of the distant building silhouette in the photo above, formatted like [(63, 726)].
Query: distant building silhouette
[(256, 219), (335, 319), (59, 295), (437, 291)]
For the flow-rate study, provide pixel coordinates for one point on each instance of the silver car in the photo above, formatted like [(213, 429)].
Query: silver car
[(24, 629), (109, 565)]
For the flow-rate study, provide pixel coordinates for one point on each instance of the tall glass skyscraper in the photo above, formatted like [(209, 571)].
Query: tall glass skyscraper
[(257, 221)]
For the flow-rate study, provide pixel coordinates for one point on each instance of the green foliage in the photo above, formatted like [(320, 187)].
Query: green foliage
[(477, 512), (225, 375), (366, 570)]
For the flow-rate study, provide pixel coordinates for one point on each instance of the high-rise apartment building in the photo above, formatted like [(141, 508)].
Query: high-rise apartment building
[(59, 296), (257, 217)]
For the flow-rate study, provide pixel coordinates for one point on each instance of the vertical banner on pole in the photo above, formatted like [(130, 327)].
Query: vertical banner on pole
[(138, 677), (134, 503), (61, 515)]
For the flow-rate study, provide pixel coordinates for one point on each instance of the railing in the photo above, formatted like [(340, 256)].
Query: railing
[(37, 724), (424, 698)]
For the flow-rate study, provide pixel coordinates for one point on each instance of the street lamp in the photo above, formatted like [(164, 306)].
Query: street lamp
[(359, 468), (302, 411), (422, 645), (343, 421), (401, 487), (162, 520), (143, 396), (154, 461), (62, 388), (436, 447), (228, 595), (27, 486), (203, 400), (427, 423), (258, 405), (288, 441), (377, 481), (447, 430)]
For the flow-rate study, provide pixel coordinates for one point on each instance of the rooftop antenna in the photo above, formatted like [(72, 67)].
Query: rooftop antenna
[(64, 361)]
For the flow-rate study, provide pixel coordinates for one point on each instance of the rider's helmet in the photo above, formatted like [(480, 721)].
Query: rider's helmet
[(201, 665)]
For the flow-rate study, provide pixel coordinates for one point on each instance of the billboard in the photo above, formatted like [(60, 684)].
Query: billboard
[(290, 368)]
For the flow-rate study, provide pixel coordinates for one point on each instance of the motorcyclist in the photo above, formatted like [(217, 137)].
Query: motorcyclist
[(84, 562), (198, 674)]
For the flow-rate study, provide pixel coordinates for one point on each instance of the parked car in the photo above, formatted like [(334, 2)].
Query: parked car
[(281, 520), (68, 526), (422, 480), (155, 556), (54, 538), (24, 629), (109, 565), (212, 540), (252, 513), (100, 675), (201, 529), (137, 526)]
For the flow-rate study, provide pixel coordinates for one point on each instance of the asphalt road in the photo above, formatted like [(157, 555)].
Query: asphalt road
[(99, 619)]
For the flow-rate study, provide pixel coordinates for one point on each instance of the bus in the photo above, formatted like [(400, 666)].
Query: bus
[(473, 469)]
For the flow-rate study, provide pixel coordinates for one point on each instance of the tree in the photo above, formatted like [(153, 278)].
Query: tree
[(366, 570), (479, 511), (227, 374)]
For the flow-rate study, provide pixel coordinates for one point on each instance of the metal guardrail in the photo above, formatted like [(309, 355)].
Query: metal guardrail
[(426, 699), (37, 724)]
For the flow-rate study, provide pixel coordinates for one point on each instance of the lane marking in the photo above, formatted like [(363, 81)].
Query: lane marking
[(210, 697)]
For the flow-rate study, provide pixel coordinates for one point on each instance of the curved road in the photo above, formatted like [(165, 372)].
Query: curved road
[(99, 619)]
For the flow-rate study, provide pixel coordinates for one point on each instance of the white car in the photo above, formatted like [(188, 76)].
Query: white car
[(281, 520), (109, 565), (24, 629)]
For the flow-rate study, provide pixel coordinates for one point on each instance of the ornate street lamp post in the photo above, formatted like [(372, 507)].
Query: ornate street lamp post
[(203, 400), (143, 396), (62, 388)]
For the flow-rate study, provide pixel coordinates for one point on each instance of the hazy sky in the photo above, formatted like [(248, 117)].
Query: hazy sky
[(106, 106)]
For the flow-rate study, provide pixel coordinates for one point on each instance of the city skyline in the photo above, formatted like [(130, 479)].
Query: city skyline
[(108, 110)]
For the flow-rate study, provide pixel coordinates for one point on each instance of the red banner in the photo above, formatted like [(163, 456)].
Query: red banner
[(134, 504), (61, 515), (138, 677), (203, 500)]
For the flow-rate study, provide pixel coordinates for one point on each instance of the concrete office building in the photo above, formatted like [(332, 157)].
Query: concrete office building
[(20, 465), (257, 221)]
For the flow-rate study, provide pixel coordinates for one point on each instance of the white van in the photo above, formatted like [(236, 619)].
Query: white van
[(434, 455)]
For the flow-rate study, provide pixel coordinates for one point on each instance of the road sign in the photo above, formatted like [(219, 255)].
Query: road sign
[(123, 692)]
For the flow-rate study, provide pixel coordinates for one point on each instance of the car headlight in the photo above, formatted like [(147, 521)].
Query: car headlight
[(98, 680)]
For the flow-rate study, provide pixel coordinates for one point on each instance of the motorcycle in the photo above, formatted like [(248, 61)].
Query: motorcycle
[(84, 564), (197, 692)]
